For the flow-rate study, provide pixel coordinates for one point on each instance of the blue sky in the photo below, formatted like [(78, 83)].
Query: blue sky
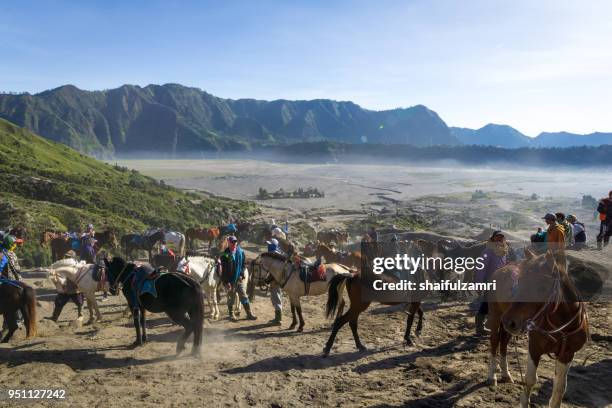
[(535, 65)]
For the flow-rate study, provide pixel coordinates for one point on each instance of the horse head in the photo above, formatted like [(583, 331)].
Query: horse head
[(537, 284)]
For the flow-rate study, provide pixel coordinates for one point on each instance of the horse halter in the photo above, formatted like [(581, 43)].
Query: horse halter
[(535, 322), (117, 279), (285, 276)]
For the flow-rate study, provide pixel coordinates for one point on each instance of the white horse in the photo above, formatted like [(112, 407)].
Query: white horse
[(81, 274), (287, 275), (203, 270)]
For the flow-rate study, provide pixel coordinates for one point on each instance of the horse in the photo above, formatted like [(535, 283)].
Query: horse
[(14, 296), (537, 296), (129, 242), (47, 235), (18, 232), (82, 275), (195, 233), (286, 273), (358, 305), (177, 295), (204, 271), (61, 244), (333, 236), (350, 259)]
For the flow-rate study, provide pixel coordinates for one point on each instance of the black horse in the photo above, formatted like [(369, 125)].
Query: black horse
[(130, 242), (179, 296), (16, 296)]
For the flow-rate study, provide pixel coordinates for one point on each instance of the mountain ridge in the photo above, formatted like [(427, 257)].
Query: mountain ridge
[(171, 119)]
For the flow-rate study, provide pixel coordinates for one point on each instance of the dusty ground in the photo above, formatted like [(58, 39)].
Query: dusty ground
[(253, 364)]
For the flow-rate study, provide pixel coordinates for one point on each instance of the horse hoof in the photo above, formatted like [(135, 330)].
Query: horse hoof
[(408, 342), (134, 345), (361, 347), (300, 329), (325, 352), (507, 379), (492, 382), (417, 333), (292, 326)]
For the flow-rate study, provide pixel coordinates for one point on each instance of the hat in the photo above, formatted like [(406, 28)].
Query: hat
[(550, 216), (273, 241), (497, 233), (232, 238)]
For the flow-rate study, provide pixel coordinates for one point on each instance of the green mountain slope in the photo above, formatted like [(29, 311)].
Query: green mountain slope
[(47, 185), (171, 119)]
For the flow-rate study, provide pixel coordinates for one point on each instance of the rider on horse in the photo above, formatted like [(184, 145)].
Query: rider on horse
[(233, 264), (7, 259)]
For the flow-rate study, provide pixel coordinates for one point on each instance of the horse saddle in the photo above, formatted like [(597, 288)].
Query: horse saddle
[(312, 272), (144, 280), (11, 282)]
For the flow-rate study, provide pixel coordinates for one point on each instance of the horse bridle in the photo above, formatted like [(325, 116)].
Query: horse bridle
[(536, 321), (285, 276), (118, 278)]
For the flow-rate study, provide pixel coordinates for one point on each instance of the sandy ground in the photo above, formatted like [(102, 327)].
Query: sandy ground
[(254, 364)]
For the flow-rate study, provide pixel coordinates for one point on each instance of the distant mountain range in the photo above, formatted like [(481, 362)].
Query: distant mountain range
[(173, 119), (506, 136)]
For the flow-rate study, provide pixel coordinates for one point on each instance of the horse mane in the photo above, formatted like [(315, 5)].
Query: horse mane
[(64, 262), (274, 255)]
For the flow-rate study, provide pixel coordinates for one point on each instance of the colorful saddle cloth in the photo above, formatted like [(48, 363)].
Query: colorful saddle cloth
[(11, 282), (143, 282)]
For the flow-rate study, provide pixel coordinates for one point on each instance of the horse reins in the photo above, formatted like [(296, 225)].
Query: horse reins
[(117, 279), (535, 323)]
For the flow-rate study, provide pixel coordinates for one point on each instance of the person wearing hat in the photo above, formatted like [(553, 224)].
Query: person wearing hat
[(555, 236), (495, 256), (579, 232), (8, 258), (233, 265), (276, 296)]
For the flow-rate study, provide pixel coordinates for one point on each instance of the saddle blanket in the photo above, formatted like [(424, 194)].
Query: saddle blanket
[(311, 274), (5, 281), (144, 281)]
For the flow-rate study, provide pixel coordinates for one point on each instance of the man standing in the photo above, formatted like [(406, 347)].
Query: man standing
[(555, 236), (276, 296), (495, 256), (233, 265), (605, 217)]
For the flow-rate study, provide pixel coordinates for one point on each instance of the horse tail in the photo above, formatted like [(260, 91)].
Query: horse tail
[(333, 293), (28, 309), (196, 313)]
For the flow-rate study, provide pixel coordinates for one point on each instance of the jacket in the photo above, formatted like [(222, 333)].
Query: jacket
[(232, 265), (555, 237)]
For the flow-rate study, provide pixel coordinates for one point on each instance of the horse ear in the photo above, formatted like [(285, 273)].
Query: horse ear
[(529, 254)]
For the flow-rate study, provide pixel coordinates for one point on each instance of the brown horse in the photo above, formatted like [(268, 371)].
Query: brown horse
[(16, 296), (19, 232), (537, 296), (333, 236), (47, 235), (359, 305), (350, 259), (61, 244), (204, 234)]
